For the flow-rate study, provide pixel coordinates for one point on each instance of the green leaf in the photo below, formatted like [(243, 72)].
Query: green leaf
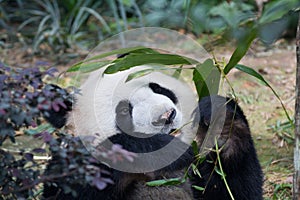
[(127, 2), (41, 128), (97, 16), (88, 67), (196, 171), (206, 77), (198, 188), (275, 10), (240, 51), (233, 13), (255, 74), (133, 60), (195, 147), (177, 72), (171, 181), (220, 172), (137, 49), (144, 72), (252, 72), (139, 74)]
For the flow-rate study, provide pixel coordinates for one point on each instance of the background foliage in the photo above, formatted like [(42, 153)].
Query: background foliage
[(61, 25)]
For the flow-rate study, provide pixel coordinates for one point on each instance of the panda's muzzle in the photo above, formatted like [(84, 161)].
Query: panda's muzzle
[(166, 118)]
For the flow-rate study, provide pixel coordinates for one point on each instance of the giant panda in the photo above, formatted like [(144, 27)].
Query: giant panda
[(140, 115)]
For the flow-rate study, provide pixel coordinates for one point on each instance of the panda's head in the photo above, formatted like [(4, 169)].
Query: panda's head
[(155, 103), (150, 109)]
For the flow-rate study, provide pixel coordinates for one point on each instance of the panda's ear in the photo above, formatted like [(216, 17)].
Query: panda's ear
[(58, 117)]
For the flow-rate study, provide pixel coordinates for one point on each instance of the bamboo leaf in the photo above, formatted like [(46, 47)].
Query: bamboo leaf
[(88, 67), (144, 72), (252, 72), (171, 181), (240, 51), (137, 49), (139, 74), (255, 74), (177, 72), (218, 171), (275, 10), (196, 170), (195, 147), (198, 188), (206, 77), (133, 60)]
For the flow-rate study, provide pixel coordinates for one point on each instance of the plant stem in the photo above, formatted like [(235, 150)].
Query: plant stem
[(221, 169)]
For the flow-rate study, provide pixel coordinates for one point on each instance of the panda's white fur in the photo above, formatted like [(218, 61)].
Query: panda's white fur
[(94, 111)]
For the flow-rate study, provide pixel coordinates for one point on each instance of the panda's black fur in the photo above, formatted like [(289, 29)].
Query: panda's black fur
[(238, 158)]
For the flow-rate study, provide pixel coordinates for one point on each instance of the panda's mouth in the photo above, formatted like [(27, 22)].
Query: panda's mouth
[(166, 118)]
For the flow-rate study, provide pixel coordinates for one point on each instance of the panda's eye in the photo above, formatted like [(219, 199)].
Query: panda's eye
[(124, 111), (124, 108)]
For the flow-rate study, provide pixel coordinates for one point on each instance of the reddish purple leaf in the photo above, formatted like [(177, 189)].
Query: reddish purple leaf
[(55, 106), (46, 137), (60, 102), (15, 172)]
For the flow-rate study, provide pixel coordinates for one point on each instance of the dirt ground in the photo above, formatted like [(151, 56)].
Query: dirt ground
[(277, 64)]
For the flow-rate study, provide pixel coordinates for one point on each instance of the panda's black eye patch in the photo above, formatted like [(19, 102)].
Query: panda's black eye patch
[(124, 108), (156, 88), (124, 117)]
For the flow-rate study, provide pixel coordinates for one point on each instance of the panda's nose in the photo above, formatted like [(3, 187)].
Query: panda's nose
[(165, 118)]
